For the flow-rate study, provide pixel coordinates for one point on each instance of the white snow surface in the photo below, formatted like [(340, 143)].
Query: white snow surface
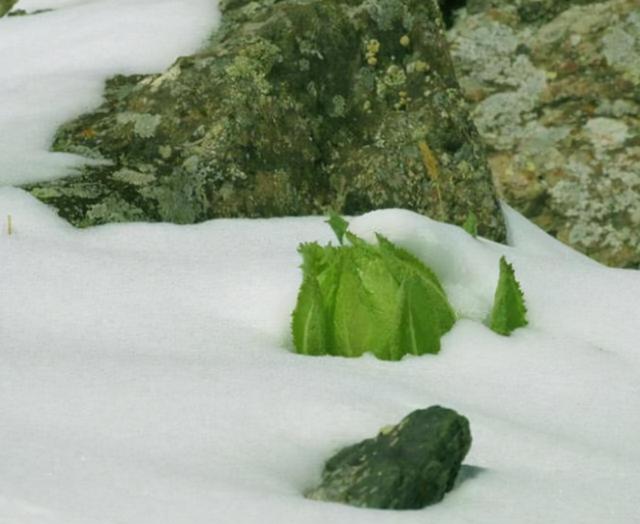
[(53, 66), (147, 373), (148, 377)]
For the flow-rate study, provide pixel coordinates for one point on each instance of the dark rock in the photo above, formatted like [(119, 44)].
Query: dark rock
[(407, 466), (448, 8), (22, 12), (295, 107)]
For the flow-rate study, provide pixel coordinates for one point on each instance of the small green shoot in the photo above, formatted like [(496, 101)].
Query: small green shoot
[(509, 310), (339, 226), (471, 224)]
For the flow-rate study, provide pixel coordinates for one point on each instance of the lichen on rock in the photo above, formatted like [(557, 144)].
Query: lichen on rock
[(555, 88), (294, 107)]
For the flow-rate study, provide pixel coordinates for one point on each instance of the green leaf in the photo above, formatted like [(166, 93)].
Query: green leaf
[(362, 297), (339, 225), (309, 323), (329, 281), (509, 310), (381, 290), (424, 318), (314, 258), (355, 240), (354, 319), (471, 224), (400, 262)]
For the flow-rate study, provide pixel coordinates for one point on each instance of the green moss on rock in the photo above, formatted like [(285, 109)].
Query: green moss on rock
[(295, 107)]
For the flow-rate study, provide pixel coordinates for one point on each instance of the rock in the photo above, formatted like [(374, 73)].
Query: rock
[(448, 8), (555, 87), (528, 11), (22, 12), (6, 5), (407, 466), (295, 107)]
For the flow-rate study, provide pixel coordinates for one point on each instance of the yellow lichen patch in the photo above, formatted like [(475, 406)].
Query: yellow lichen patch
[(165, 151), (431, 167), (387, 430), (403, 100), (405, 41), (418, 66), (373, 47), (87, 133)]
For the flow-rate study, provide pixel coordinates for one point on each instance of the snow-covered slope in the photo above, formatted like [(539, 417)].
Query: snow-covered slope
[(147, 376), (53, 66), (146, 371)]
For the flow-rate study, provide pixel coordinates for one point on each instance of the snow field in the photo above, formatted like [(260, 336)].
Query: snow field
[(53, 66), (148, 376)]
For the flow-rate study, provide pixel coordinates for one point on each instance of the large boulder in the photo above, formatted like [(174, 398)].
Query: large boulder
[(555, 87), (407, 466), (295, 107)]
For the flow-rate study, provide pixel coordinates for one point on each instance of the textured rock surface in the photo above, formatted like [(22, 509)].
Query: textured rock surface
[(407, 466), (6, 5), (556, 94), (294, 108)]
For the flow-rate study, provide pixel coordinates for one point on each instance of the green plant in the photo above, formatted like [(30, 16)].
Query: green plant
[(367, 297), (471, 224), (509, 311), (6, 5)]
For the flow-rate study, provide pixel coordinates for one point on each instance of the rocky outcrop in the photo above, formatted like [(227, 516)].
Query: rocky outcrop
[(407, 466), (555, 87), (295, 107)]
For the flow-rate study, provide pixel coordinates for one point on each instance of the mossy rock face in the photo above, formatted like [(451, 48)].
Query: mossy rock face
[(555, 88), (407, 466), (294, 108)]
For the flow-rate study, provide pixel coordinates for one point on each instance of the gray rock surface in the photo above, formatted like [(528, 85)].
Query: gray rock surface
[(407, 466), (555, 89), (296, 107)]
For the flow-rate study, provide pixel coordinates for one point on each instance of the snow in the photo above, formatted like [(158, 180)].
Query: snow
[(147, 369), (148, 376), (53, 66)]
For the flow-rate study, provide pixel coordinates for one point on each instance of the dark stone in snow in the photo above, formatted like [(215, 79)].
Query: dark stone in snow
[(407, 466)]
